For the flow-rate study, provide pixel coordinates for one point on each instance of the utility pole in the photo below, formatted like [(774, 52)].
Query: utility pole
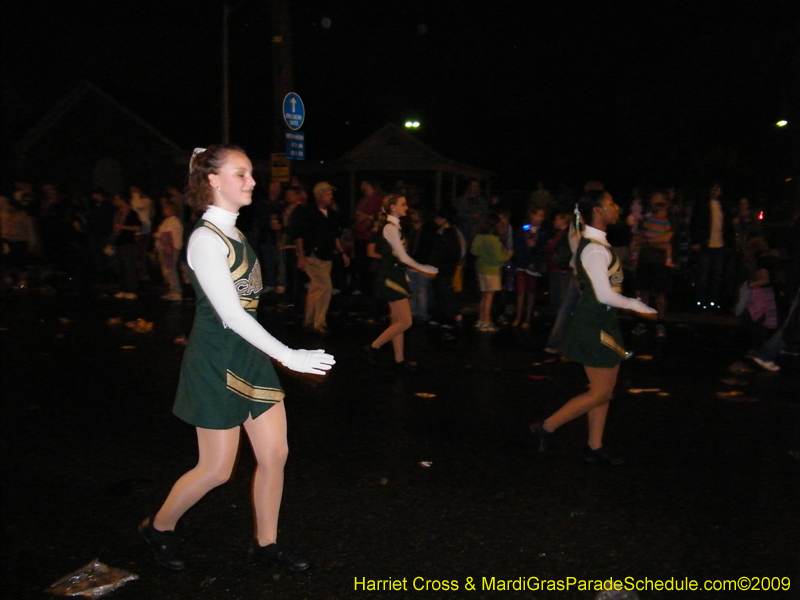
[(226, 109), (282, 80)]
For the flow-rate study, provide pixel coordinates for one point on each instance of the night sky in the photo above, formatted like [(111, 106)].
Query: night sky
[(652, 93)]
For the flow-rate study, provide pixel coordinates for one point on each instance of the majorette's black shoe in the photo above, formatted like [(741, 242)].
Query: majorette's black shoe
[(544, 439), (283, 556), (601, 456), (371, 354), (165, 544), (405, 366)]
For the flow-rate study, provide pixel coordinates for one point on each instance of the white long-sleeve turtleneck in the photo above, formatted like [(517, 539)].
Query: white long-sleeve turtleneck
[(596, 259), (207, 255), (392, 235)]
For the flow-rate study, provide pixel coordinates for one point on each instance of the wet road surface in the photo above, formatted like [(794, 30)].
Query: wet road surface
[(709, 491)]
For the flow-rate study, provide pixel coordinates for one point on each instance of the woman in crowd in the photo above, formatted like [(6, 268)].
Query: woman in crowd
[(122, 246), (227, 380), (391, 283), (593, 336)]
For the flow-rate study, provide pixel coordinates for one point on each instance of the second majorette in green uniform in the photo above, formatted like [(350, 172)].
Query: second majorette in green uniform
[(224, 378), (392, 283)]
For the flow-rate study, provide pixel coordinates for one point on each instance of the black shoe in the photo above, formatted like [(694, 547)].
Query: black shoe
[(285, 557), (405, 366), (544, 439), (601, 456), (372, 354), (165, 544)]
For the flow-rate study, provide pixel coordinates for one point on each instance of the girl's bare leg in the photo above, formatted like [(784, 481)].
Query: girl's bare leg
[(400, 317), (593, 401), (486, 307), (217, 455), (531, 297), (267, 435), (520, 305)]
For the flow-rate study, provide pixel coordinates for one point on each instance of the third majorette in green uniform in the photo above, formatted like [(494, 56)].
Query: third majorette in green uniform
[(593, 338)]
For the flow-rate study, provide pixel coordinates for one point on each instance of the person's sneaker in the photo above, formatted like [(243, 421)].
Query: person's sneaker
[(286, 557), (525, 325), (487, 327), (479, 325), (551, 351), (165, 544), (661, 332), (766, 364), (640, 329), (601, 456)]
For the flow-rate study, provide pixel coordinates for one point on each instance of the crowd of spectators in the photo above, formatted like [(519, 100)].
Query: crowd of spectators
[(702, 254)]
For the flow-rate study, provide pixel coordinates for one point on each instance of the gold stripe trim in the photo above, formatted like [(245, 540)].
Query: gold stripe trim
[(242, 269), (248, 303), (245, 264), (252, 392), (609, 341), (231, 251), (396, 287)]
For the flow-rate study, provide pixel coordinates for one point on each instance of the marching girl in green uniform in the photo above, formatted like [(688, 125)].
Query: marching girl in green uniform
[(391, 283), (227, 381), (593, 337)]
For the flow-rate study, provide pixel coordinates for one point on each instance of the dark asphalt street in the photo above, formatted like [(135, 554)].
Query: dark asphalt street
[(710, 488)]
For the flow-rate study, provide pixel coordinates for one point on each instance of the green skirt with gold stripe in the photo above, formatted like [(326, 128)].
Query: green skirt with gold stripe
[(391, 283), (593, 337), (224, 379)]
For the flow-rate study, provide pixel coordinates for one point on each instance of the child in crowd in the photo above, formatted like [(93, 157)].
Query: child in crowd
[(557, 256), (529, 251), (656, 232), (759, 316), (169, 241), (490, 253)]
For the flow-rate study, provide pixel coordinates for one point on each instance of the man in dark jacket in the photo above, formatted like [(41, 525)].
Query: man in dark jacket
[(316, 231)]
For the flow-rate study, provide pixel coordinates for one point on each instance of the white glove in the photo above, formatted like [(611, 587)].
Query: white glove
[(641, 308), (315, 362)]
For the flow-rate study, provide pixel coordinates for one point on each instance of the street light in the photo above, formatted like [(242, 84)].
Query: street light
[(412, 124)]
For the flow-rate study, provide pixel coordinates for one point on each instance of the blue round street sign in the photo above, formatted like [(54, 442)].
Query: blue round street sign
[(294, 113)]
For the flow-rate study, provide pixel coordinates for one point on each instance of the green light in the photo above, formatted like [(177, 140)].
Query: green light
[(782, 123)]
